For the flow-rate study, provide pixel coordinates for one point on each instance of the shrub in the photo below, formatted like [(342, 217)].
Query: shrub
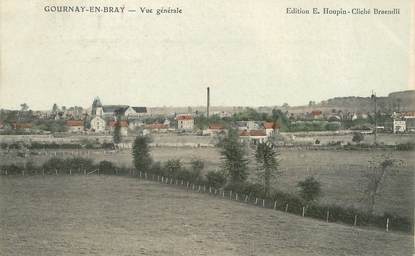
[(215, 179), (172, 167), (358, 137), (106, 167), (310, 189), (406, 146)]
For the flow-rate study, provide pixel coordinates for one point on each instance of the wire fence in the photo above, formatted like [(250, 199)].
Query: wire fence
[(333, 214)]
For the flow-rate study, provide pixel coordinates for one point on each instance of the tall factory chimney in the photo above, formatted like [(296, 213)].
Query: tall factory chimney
[(208, 102)]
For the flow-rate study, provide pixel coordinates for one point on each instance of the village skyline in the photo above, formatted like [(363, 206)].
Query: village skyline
[(202, 103)]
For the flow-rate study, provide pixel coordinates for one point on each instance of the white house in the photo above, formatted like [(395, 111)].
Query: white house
[(185, 122), (253, 136), (98, 124), (271, 128), (399, 126)]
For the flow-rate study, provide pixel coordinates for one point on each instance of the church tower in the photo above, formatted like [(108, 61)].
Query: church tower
[(97, 107)]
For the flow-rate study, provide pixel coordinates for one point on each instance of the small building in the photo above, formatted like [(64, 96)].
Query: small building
[(317, 114), (22, 126), (98, 124), (156, 127), (214, 129), (253, 136), (123, 127), (271, 128), (399, 126), (75, 125), (185, 122), (135, 123)]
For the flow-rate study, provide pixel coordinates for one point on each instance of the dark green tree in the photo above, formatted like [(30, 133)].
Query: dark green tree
[(141, 153), (234, 161), (215, 179), (266, 157), (310, 189), (116, 136), (358, 137), (173, 167)]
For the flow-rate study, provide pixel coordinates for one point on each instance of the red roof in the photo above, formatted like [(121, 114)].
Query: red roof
[(316, 112), (244, 134), (271, 125), (156, 126), (216, 126), (257, 133), (184, 117), (252, 133), (75, 123), (121, 123)]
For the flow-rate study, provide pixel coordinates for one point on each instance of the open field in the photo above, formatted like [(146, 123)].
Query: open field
[(110, 215), (338, 171)]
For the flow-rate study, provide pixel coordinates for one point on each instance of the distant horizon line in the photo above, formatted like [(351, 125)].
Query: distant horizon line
[(214, 106)]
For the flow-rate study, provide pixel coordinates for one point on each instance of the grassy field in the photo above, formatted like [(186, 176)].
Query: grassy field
[(340, 172), (109, 215)]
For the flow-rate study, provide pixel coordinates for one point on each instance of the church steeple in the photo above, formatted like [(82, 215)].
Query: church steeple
[(97, 107)]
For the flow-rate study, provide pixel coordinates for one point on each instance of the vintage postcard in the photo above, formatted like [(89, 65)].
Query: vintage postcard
[(237, 127)]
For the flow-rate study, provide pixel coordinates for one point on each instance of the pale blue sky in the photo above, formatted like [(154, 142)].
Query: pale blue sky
[(249, 52)]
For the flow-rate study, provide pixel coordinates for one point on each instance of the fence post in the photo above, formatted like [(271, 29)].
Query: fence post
[(210, 190), (303, 211), (236, 197), (355, 220), (246, 198), (139, 174), (6, 172), (223, 193), (275, 205), (56, 171), (198, 189), (230, 195), (84, 171), (327, 216), (387, 224), (263, 203), (204, 188), (286, 208), (70, 171), (256, 200)]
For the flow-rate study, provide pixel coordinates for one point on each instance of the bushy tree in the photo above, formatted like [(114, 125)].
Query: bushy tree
[(358, 137), (375, 176), (106, 167), (215, 179), (267, 164), (141, 153), (196, 169), (310, 189), (234, 161), (172, 167)]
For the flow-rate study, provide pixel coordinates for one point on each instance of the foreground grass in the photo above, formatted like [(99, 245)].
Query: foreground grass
[(109, 215)]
